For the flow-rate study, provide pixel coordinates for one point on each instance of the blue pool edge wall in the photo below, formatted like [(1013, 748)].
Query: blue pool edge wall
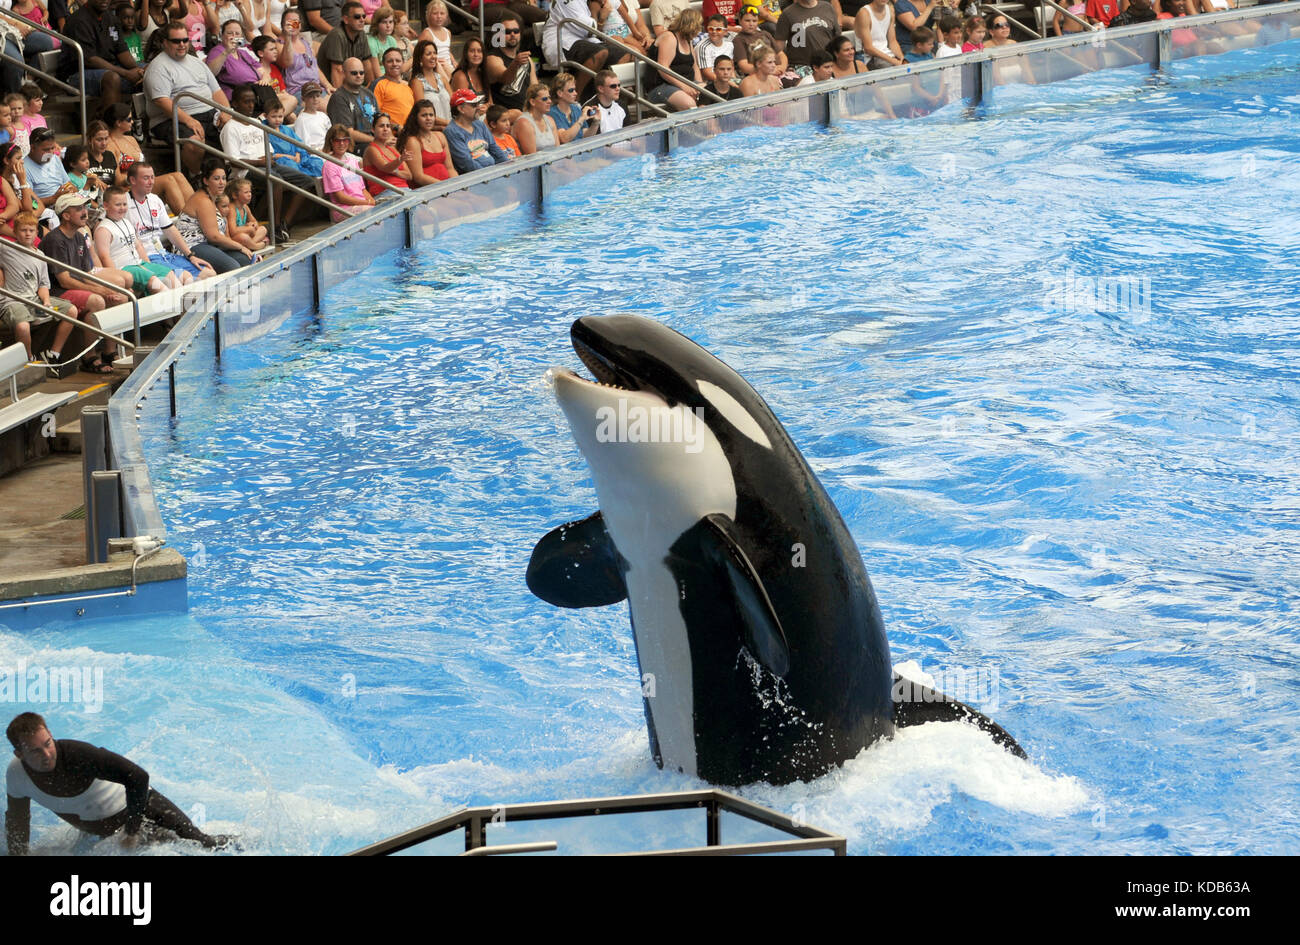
[(293, 282)]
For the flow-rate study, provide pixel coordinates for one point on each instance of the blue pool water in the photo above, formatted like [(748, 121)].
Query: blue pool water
[(1094, 513)]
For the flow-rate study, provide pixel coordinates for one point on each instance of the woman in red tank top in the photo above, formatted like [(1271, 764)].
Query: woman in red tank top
[(384, 160), (424, 147)]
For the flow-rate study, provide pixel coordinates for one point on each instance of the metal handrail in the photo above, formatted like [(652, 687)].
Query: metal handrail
[(479, 21), (474, 821), (266, 146), (1043, 4), (640, 57), (635, 96), (1011, 19), (81, 58), (8, 293), (89, 277), (454, 8)]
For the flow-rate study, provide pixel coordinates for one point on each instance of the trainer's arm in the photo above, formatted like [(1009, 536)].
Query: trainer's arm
[(18, 825)]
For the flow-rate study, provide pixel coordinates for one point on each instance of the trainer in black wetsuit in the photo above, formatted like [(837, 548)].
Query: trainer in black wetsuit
[(91, 788)]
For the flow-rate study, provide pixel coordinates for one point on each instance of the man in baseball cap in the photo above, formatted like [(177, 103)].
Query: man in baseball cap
[(471, 144), (67, 243)]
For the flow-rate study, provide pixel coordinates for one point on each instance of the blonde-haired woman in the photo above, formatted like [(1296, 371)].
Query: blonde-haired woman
[(766, 76), (676, 59)]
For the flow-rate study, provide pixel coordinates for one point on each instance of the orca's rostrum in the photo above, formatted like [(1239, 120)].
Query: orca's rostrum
[(760, 641)]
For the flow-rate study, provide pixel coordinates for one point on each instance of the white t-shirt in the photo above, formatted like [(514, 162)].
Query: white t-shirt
[(123, 236), (312, 129), (706, 53), (611, 119), (242, 141), (150, 219), (942, 51)]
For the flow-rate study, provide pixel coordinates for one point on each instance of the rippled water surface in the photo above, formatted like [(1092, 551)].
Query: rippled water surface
[(1093, 513)]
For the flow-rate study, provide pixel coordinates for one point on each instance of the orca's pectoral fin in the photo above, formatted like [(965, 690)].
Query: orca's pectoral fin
[(915, 704), (764, 636), (577, 565)]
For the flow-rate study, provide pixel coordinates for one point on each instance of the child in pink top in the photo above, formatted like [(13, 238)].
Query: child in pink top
[(974, 31), (15, 106), (32, 118)]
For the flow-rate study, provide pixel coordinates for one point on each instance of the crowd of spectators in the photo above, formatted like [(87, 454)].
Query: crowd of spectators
[(393, 107)]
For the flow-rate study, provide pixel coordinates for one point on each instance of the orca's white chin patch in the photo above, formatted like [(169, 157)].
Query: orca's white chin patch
[(644, 454)]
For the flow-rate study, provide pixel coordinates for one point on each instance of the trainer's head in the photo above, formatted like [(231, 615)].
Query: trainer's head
[(32, 741)]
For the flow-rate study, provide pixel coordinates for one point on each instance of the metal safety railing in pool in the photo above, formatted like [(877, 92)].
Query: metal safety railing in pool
[(294, 281), (475, 821)]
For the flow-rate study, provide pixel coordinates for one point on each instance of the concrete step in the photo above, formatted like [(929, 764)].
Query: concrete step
[(67, 438)]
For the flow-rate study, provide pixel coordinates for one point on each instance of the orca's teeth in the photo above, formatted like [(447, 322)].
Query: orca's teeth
[(605, 374)]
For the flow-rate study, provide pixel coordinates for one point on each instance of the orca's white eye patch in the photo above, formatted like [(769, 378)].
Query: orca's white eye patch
[(735, 414)]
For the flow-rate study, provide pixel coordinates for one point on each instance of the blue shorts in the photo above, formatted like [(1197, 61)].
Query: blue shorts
[(173, 261)]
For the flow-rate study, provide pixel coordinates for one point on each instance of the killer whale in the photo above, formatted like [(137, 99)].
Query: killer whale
[(758, 633)]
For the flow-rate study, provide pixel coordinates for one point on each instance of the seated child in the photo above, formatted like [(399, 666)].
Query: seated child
[(117, 248), (950, 37), (16, 105), (29, 278), (241, 225), (32, 117), (922, 45), (973, 32), (286, 154), (500, 128)]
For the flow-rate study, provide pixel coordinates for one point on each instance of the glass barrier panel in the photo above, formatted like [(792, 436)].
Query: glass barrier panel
[(1099, 53), (1210, 39), (351, 255), (904, 96), (424, 221), (254, 309), (797, 112), (569, 169), (486, 200)]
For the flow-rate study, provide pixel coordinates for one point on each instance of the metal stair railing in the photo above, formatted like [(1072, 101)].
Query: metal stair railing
[(271, 180), (76, 322), (1011, 19), (639, 57), (478, 21), (91, 278), (1044, 4), (72, 43)]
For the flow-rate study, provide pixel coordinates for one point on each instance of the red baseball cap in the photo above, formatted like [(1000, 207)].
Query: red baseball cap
[(465, 97)]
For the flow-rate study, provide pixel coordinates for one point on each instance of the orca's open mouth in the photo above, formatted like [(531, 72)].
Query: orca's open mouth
[(606, 372)]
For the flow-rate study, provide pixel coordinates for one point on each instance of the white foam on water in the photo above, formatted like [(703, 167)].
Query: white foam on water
[(896, 786)]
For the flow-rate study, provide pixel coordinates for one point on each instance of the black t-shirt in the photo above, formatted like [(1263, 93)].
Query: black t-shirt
[(732, 93), (514, 94), (74, 250), (100, 37), (105, 168)]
